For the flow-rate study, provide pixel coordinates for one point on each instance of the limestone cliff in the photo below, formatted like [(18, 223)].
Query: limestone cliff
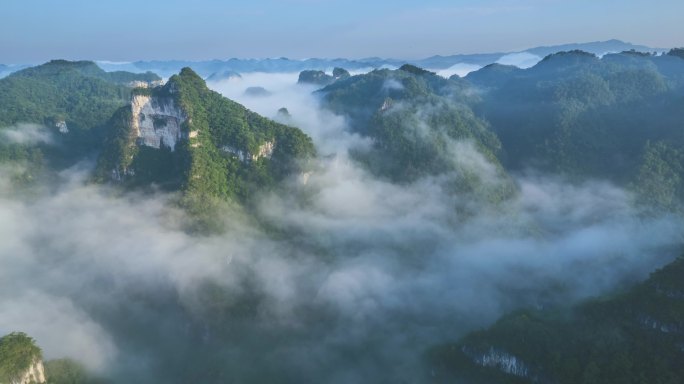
[(20, 360), (503, 361), (34, 374), (156, 121)]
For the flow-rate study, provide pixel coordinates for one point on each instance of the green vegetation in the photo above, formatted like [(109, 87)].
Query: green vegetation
[(659, 181), (222, 123), (17, 353), (67, 371), (415, 70), (417, 120), (633, 337), (582, 116), (80, 94)]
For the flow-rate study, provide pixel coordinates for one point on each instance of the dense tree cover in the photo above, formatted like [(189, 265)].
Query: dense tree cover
[(67, 371), (417, 120), (18, 352), (659, 179), (631, 337), (224, 123), (583, 116), (29, 161), (78, 93)]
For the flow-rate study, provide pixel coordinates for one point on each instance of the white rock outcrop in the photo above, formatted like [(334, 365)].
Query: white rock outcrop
[(500, 360), (145, 84), (156, 121), (240, 154), (303, 177), (265, 150), (61, 126), (34, 374)]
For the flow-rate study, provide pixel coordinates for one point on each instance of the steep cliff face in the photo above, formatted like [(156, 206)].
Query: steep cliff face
[(156, 121), (34, 374)]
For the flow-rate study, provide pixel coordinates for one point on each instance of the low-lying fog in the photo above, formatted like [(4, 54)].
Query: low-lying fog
[(369, 275)]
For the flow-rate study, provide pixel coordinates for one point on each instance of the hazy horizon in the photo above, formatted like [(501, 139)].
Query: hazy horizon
[(300, 29)]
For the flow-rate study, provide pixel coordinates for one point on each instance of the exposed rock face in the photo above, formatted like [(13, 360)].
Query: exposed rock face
[(303, 177), (145, 84), (120, 175), (62, 126), (387, 104), (265, 150), (156, 121), (34, 374), (500, 360)]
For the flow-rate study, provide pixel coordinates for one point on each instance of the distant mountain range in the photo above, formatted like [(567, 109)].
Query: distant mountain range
[(455, 63)]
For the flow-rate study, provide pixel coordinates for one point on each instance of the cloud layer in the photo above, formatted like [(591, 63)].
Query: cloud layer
[(352, 280)]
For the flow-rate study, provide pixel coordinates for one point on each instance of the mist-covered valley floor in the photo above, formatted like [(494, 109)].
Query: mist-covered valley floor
[(339, 276)]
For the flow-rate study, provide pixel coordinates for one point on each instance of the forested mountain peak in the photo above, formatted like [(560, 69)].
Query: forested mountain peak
[(55, 68), (182, 136)]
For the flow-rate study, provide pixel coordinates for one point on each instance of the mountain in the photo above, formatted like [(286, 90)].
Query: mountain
[(320, 78), (68, 103), (79, 93), (597, 48), (583, 116), (223, 75), (274, 65), (421, 125), (21, 360), (183, 136), (178, 136), (632, 337), (573, 114)]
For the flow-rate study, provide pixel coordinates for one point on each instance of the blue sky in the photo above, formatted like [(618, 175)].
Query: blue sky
[(37, 30)]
